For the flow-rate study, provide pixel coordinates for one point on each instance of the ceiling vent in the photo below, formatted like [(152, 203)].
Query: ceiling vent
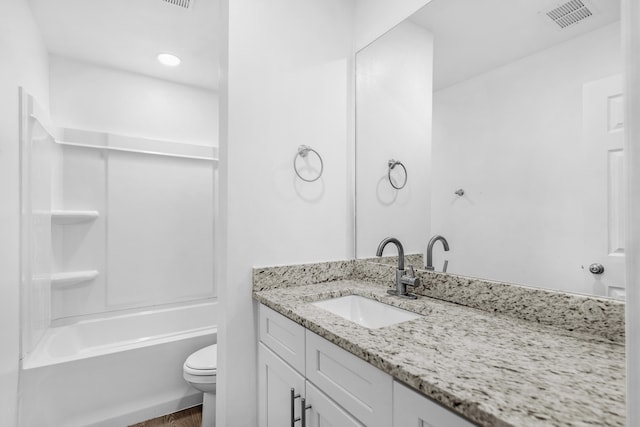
[(569, 13), (180, 3)]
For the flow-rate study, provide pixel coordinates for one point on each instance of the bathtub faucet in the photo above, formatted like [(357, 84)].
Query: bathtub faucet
[(402, 280)]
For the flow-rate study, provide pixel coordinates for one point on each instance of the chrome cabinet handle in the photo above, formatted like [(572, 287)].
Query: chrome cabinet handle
[(294, 396), (303, 411)]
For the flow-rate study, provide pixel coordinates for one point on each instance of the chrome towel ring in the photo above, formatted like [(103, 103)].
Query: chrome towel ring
[(392, 164), (303, 151)]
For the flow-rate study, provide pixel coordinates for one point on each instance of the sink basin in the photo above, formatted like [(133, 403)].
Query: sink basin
[(366, 312)]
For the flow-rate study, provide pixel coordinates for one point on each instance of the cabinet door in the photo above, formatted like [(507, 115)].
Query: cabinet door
[(275, 381), (413, 409), (324, 412)]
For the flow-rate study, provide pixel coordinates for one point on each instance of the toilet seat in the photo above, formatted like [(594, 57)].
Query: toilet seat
[(203, 362)]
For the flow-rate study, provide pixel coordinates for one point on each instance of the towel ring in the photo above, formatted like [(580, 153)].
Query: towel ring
[(303, 151), (392, 164)]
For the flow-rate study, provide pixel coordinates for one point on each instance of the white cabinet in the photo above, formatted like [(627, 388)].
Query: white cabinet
[(360, 388), (341, 389), (413, 409), (280, 369), (324, 412), (276, 379), (283, 336)]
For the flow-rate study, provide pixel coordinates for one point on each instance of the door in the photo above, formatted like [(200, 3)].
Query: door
[(275, 381), (324, 412), (604, 191), (412, 409)]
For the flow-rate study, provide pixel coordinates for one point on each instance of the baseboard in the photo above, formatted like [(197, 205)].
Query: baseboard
[(150, 412)]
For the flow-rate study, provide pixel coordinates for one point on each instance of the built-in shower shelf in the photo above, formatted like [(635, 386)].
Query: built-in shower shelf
[(70, 278), (73, 217)]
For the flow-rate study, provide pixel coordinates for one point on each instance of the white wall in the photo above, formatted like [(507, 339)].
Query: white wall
[(86, 96), (153, 240), (375, 17), (394, 96), (24, 63), (512, 139), (160, 233), (286, 81), (95, 98)]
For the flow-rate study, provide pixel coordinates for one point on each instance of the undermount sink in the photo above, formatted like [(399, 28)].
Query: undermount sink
[(366, 312)]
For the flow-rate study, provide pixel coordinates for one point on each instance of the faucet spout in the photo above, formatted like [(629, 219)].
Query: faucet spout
[(396, 242), (432, 242), (402, 280)]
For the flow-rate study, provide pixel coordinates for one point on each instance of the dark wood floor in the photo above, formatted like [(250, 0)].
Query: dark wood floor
[(191, 417)]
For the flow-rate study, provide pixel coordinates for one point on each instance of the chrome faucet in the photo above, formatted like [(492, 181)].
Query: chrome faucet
[(402, 280), (434, 239)]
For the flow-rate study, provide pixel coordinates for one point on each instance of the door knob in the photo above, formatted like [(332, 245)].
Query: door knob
[(596, 268)]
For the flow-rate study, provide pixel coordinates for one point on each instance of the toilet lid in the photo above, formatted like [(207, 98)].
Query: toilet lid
[(205, 359)]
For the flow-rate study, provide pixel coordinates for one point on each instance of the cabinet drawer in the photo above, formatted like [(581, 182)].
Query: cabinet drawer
[(360, 388), (413, 409), (283, 336)]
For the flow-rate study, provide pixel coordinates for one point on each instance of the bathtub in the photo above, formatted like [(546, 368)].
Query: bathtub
[(115, 370)]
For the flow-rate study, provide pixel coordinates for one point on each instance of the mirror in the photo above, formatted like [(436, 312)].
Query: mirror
[(508, 119)]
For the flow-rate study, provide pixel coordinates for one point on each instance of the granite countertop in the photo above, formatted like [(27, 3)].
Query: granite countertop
[(493, 369)]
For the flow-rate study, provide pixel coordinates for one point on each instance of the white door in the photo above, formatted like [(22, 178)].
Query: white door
[(324, 412), (275, 381), (413, 409), (604, 191)]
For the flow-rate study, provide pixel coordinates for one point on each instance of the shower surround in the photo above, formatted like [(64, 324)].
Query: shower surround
[(117, 249)]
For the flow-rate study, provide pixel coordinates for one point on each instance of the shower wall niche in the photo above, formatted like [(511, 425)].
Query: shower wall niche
[(112, 223)]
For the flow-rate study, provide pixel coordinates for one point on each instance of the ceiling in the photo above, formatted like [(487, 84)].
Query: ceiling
[(128, 35), (472, 37)]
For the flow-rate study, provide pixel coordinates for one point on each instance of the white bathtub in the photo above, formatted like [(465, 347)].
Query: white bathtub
[(115, 370)]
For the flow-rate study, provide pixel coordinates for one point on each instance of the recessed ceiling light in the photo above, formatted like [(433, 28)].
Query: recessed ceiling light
[(168, 59)]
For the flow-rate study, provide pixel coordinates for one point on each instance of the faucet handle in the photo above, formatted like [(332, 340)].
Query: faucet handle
[(410, 279), (446, 263)]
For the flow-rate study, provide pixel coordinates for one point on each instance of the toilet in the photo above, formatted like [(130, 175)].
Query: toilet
[(199, 370)]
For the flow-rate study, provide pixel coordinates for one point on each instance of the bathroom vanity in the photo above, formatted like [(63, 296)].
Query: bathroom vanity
[(455, 365), (335, 385)]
